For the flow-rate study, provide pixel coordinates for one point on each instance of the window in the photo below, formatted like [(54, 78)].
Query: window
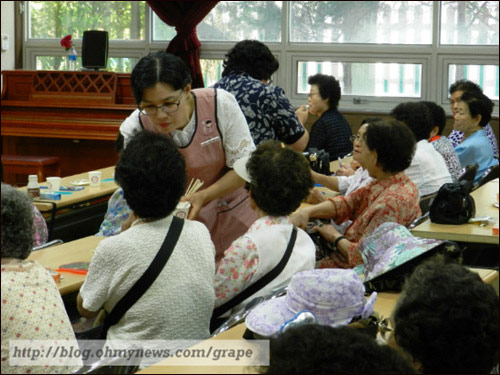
[(378, 22), (383, 52), (469, 23)]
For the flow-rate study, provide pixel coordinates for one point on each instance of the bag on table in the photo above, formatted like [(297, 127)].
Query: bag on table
[(453, 204)]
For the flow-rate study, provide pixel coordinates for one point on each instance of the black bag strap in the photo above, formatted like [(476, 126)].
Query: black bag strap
[(148, 277), (262, 282)]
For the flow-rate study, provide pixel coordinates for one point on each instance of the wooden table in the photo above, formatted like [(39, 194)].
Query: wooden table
[(483, 197), (80, 250), (80, 213), (334, 164)]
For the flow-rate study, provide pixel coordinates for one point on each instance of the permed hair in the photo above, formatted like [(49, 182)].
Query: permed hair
[(479, 104), (416, 116), (394, 143), (17, 223), (252, 57), (447, 319), (159, 67), (281, 178), (152, 173), (329, 88), (438, 115), (465, 86), (316, 349)]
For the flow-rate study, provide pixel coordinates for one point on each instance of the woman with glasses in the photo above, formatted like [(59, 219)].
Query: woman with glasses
[(385, 149), (331, 131), (211, 133)]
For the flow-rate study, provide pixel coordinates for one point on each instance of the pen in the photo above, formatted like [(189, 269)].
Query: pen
[(72, 270), (340, 162)]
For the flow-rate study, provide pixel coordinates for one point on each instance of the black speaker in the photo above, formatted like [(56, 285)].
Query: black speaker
[(95, 49)]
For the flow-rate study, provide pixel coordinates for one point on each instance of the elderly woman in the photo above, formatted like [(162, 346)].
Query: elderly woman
[(32, 307), (179, 303), (385, 149), (472, 114), (331, 132), (210, 131), (278, 179), (248, 68)]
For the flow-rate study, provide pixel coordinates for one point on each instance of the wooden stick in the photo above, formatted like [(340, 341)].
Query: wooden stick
[(189, 186)]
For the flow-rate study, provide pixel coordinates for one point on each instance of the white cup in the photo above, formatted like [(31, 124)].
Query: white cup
[(182, 210), (53, 183), (95, 178)]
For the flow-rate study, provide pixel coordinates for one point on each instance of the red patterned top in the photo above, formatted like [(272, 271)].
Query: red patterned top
[(394, 199)]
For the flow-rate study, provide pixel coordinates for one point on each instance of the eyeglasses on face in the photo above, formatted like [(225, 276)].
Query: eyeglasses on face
[(312, 93), (355, 138), (151, 110)]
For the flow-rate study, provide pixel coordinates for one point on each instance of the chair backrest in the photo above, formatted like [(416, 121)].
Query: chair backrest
[(490, 174), (48, 244), (426, 201), (469, 173)]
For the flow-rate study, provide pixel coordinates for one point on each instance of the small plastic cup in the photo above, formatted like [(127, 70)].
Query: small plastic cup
[(95, 178), (53, 183)]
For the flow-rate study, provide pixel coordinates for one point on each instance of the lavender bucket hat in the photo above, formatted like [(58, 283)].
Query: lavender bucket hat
[(334, 296)]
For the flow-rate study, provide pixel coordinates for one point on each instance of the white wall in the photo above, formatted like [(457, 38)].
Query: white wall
[(7, 26)]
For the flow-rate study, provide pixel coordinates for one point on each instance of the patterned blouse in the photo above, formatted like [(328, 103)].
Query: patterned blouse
[(456, 138), (446, 149), (268, 112), (331, 132), (394, 199), (40, 231), (240, 262)]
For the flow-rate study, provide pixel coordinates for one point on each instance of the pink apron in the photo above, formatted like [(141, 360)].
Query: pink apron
[(228, 217)]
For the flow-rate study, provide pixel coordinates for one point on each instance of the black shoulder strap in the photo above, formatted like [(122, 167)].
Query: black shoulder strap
[(149, 276), (262, 282)]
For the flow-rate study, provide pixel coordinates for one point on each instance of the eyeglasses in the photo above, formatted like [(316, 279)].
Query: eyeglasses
[(312, 93), (151, 110), (355, 138)]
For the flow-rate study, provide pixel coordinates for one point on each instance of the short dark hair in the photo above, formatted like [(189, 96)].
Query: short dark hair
[(479, 104), (329, 88), (368, 120), (394, 143), (416, 116), (316, 349), (438, 115), (252, 57), (17, 223), (465, 86), (447, 319), (152, 173), (159, 67), (281, 178)]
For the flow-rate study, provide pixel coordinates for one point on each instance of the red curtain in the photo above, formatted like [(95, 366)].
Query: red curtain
[(185, 16)]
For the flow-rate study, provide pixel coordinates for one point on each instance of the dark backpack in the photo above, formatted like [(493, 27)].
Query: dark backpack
[(453, 204)]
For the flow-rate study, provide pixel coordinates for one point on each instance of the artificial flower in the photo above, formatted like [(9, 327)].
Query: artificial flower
[(66, 42)]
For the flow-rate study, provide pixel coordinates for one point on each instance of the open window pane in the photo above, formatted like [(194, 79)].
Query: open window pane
[(486, 76), (366, 79), (123, 20), (379, 22), (115, 64), (469, 22), (211, 70), (238, 20)]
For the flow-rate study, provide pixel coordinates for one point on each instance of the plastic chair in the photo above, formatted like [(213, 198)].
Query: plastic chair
[(490, 174), (469, 173), (48, 244)]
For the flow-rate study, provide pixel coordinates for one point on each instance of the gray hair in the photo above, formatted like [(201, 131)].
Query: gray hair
[(17, 223)]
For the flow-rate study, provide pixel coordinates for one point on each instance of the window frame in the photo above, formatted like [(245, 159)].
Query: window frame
[(434, 58)]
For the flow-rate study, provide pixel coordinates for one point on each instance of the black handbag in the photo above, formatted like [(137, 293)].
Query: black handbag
[(319, 160), (453, 204), (140, 287)]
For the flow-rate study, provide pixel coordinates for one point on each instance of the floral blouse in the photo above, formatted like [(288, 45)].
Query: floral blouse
[(444, 146), (394, 199), (240, 262)]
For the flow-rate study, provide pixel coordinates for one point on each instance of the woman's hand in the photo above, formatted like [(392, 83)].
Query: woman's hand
[(315, 197), (345, 171), (328, 232), (197, 201), (302, 112), (300, 218)]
